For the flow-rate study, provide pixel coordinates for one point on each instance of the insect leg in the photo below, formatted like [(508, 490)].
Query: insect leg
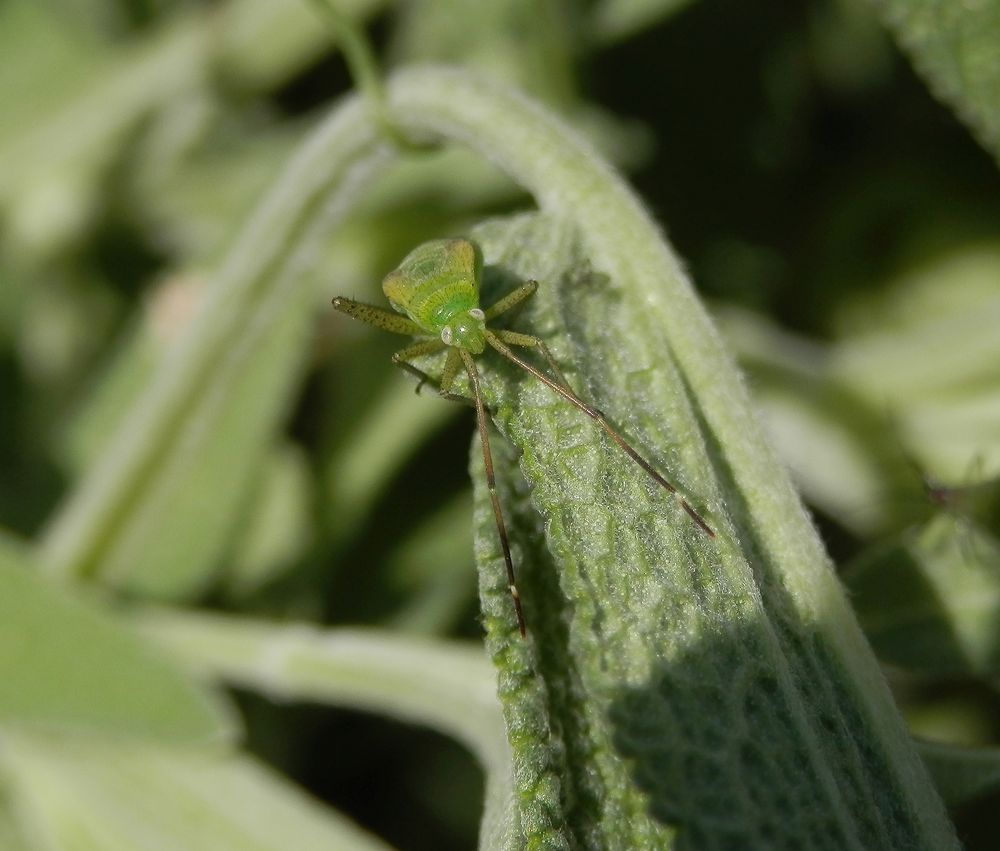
[(512, 300), (416, 350), (379, 317), (598, 416), (451, 366), (513, 338), (484, 438), (429, 347)]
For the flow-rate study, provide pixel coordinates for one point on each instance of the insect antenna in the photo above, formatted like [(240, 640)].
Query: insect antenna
[(598, 416), (484, 439)]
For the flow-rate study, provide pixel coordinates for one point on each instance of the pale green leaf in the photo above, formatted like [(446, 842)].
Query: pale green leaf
[(923, 354), (66, 665), (615, 20), (448, 687), (931, 600), (719, 690), (660, 660), (12, 837), (949, 307), (82, 796), (433, 570), (278, 529), (956, 47), (82, 106), (165, 535)]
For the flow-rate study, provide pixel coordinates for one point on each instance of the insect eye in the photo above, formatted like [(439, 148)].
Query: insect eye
[(446, 335), (476, 313)]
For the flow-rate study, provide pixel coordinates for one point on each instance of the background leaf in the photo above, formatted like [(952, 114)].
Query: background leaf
[(931, 601), (955, 47), (838, 218), (962, 774), (80, 796), (449, 687), (66, 665)]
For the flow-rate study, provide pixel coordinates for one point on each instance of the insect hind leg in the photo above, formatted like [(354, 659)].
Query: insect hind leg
[(502, 340), (491, 486), (529, 341)]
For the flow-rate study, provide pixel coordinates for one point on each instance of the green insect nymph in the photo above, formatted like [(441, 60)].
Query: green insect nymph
[(437, 286), (435, 295)]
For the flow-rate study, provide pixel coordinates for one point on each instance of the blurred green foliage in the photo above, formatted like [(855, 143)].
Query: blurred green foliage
[(842, 222)]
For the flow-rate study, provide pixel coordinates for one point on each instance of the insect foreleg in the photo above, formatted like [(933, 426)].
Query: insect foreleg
[(379, 317)]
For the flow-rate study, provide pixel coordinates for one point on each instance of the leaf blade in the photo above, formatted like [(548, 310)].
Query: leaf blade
[(117, 798), (66, 665), (954, 47), (819, 673), (647, 639)]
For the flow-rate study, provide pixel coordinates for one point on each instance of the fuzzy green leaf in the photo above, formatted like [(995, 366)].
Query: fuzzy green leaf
[(956, 47), (719, 691), (674, 688), (446, 686), (616, 20), (931, 600), (65, 665), (654, 683), (82, 796), (162, 533), (187, 448)]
